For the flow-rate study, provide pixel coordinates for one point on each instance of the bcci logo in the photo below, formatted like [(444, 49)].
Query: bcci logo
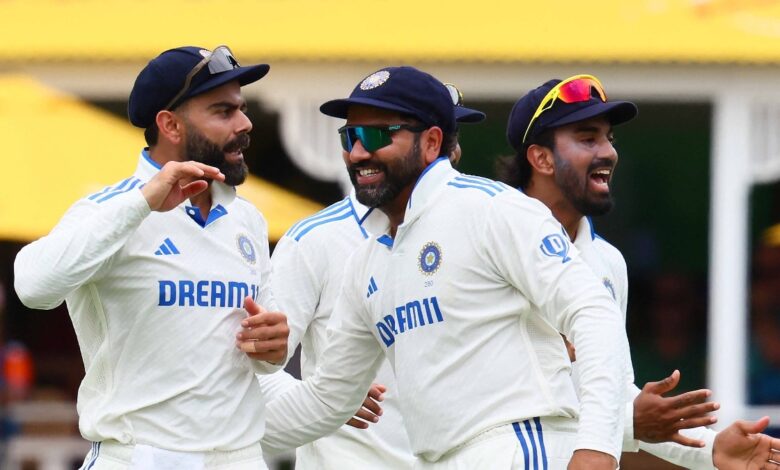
[(246, 248), (556, 245), (374, 80), (430, 258)]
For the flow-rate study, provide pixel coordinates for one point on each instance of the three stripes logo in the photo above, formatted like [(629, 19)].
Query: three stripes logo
[(112, 191), (488, 186), (371, 287), (167, 248)]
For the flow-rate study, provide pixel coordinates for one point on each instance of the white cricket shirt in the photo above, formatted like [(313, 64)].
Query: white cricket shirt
[(308, 267), (155, 299), (610, 267), (466, 303)]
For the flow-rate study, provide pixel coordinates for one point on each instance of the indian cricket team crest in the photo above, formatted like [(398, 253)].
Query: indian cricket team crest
[(374, 80), (430, 258), (246, 248), (610, 287)]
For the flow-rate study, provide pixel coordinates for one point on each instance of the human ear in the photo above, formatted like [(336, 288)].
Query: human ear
[(430, 144), (541, 159), (170, 126)]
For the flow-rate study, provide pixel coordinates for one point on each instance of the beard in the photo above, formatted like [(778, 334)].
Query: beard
[(398, 175), (575, 187), (200, 149)]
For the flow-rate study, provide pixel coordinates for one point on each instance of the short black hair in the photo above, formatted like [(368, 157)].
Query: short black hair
[(515, 170), (448, 139), (152, 134)]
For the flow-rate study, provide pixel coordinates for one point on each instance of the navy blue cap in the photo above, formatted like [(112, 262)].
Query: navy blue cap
[(464, 114), (406, 90), (560, 113), (164, 76)]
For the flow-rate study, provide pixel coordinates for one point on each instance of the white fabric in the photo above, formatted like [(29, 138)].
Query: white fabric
[(610, 267), (537, 444), (109, 455), (308, 266), (159, 370), (148, 457), (475, 352)]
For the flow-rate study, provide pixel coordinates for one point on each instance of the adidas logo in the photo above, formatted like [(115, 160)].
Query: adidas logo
[(167, 248), (371, 287)]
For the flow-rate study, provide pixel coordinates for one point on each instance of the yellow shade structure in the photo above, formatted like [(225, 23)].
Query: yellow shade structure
[(702, 31), (57, 149)]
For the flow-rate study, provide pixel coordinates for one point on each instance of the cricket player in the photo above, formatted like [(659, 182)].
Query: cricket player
[(464, 302), (563, 132), (308, 266), (156, 270)]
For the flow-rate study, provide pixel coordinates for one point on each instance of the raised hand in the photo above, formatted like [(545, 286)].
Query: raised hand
[(264, 334), (741, 447), (177, 182), (659, 419)]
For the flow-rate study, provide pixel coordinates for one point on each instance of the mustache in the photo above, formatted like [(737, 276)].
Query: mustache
[(355, 167), (601, 163), (240, 143)]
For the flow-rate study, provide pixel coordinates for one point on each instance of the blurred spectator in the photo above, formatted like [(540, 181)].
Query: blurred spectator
[(764, 369), (15, 377), (674, 336)]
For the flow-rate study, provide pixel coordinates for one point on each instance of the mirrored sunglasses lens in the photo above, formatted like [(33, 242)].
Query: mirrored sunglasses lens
[(371, 138), (346, 141), (575, 91), (580, 90), (455, 94), (222, 60)]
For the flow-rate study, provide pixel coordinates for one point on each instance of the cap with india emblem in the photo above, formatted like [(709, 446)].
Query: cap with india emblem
[(410, 91)]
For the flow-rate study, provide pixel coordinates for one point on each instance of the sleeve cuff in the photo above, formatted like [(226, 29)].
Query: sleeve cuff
[(265, 367), (629, 443)]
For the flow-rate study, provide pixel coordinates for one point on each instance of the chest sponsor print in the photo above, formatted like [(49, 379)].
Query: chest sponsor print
[(409, 316)]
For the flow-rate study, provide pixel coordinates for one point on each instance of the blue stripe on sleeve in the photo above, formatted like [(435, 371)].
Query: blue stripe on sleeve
[(328, 211), (479, 180), (471, 186), (110, 188), (118, 192), (336, 217)]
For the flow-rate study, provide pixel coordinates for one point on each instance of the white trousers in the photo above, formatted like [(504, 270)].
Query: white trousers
[(110, 455), (533, 444)]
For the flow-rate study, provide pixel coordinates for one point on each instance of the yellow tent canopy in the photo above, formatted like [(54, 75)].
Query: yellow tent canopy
[(704, 31), (58, 149)]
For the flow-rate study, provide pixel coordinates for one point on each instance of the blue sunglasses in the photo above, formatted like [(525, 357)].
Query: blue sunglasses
[(373, 138)]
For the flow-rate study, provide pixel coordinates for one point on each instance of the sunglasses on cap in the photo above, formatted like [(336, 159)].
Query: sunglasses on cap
[(576, 89), (373, 138), (455, 94), (219, 60)]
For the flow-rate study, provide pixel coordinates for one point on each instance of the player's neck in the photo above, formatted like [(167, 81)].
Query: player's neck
[(395, 210), (203, 202), (162, 154), (563, 211)]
